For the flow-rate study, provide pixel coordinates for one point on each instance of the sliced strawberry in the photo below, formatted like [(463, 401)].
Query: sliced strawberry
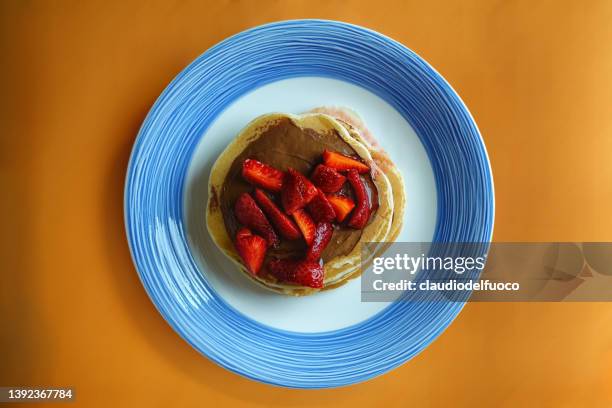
[(297, 191), (262, 175), (327, 179), (361, 213), (305, 224), (282, 269), (286, 228), (320, 208), (373, 201), (309, 273), (250, 215), (322, 236), (251, 248), (303, 273), (342, 206), (341, 162)]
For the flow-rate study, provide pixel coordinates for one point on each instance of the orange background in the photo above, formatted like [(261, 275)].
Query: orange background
[(77, 81)]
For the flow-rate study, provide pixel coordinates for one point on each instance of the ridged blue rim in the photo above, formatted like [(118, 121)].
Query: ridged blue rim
[(190, 104)]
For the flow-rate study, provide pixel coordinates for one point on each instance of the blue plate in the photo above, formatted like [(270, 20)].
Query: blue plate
[(154, 198)]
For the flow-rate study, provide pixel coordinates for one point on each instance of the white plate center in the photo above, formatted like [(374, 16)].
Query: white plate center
[(328, 310)]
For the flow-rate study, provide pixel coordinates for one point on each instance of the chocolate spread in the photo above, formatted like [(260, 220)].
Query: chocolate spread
[(283, 145)]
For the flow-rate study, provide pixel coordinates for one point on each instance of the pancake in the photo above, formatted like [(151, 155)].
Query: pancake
[(298, 141)]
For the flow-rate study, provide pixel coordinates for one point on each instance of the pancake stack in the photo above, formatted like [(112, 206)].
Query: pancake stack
[(293, 197)]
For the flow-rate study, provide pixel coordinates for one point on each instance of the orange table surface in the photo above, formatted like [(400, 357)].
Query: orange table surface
[(77, 81)]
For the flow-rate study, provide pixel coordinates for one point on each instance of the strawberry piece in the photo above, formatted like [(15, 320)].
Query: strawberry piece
[(305, 224), (327, 179), (297, 191), (250, 215), (373, 201), (321, 209), (262, 175), (282, 269), (342, 206), (309, 273), (341, 162), (304, 273), (286, 228), (252, 249), (322, 236), (361, 213)]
